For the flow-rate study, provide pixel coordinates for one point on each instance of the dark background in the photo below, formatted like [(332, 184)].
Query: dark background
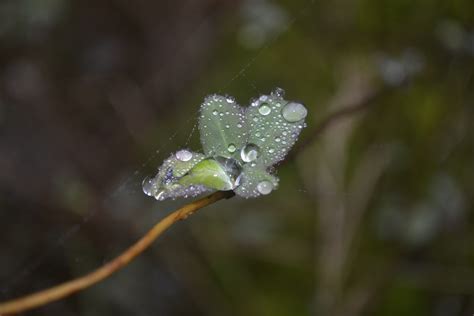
[(372, 217)]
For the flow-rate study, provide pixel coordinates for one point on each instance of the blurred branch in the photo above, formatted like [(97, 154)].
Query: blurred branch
[(68, 288), (347, 111)]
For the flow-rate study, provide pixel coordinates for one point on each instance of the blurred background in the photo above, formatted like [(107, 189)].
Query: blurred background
[(373, 215)]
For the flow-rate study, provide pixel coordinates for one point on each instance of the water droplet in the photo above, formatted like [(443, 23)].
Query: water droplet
[(148, 186), (271, 150), (238, 180), (279, 92), (264, 109), (227, 126), (231, 148), (294, 112), (215, 112), (239, 125), (160, 196), (263, 98), (184, 155), (250, 152), (265, 187), (277, 139), (232, 169)]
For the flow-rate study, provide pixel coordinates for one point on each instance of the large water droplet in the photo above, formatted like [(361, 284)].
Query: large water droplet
[(264, 109), (265, 187), (294, 112), (250, 152), (232, 169), (148, 186), (184, 155), (231, 148)]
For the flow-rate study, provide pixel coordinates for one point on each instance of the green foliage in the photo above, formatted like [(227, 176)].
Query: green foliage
[(222, 126), (240, 146)]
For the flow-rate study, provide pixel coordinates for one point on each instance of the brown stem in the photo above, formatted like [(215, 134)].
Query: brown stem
[(68, 288)]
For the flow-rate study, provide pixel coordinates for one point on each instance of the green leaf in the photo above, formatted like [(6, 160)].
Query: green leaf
[(165, 183), (240, 146), (255, 181), (211, 174), (222, 126), (274, 126)]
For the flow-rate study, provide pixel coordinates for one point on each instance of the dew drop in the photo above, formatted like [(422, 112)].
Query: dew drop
[(294, 112), (265, 187), (271, 150), (238, 180), (232, 170), (184, 155), (250, 152), (231, 148), (264, 109), (148, 186), (160, 196), (215, 112), (279, 92)]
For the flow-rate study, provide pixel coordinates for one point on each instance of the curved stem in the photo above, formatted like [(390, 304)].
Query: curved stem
[(68, 288)]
